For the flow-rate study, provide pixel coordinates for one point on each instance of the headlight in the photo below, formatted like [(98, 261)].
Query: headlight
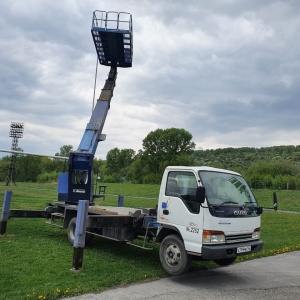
[(256, 234), (213, 237)]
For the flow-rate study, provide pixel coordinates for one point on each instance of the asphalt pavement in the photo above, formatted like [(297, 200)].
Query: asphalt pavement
[(274, 277)]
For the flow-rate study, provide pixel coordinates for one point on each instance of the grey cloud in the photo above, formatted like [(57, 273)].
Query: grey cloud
[(219, 69)]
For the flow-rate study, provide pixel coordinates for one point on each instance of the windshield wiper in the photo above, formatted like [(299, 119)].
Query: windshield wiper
[(250, 203), (229, 202)]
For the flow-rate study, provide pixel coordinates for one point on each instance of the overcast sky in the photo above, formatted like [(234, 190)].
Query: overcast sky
[(227, 71)]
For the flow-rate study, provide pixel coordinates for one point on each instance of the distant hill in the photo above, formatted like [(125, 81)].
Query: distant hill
[(241, 158)]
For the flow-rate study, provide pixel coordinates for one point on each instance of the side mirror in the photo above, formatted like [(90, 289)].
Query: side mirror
[(200, 194), (259, 210), (275, 201)]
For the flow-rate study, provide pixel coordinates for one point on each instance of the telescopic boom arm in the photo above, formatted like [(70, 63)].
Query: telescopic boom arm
[(112, 35)]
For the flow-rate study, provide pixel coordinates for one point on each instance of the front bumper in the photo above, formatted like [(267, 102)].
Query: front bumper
[(211, 252)]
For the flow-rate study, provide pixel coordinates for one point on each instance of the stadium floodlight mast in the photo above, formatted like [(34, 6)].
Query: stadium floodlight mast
[(16, 133)]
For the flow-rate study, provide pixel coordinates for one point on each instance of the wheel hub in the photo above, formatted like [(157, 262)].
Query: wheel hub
[(172, 255)]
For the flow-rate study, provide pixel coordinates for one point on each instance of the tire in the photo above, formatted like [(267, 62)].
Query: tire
[(173, 255), (71, 233), (225, 261)]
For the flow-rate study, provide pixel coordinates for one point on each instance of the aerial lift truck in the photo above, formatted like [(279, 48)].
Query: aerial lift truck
[(202, 213)]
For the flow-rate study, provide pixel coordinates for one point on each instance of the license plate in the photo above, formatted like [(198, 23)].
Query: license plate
[(243, 249)]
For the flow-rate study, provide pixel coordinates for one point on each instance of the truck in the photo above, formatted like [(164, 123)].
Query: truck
[(202, 213)]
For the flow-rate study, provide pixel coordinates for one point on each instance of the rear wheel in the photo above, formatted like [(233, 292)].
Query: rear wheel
[(173, 255), (71, 233), (225, 261)]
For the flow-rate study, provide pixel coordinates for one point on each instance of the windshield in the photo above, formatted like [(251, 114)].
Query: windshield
[(223, 189)]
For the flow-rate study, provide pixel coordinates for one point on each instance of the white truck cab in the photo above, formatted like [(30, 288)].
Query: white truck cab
[(205, 213)]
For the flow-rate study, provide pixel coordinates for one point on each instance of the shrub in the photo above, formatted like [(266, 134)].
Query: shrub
[(110, 179), (48, 177)]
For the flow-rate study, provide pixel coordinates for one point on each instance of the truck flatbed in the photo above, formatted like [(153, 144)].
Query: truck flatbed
[(103, 210), (111, 210)]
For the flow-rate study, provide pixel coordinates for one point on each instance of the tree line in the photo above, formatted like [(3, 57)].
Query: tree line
[(270, 167)]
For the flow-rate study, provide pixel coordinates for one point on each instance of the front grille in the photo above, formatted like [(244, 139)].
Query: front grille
[(230, 239)]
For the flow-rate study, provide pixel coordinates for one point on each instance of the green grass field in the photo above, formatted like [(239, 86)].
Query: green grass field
[(36, 258)]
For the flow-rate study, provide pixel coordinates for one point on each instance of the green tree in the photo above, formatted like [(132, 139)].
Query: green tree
[(59, 165), (4, 167), (28, 167), (138, 169), (164, 147), (126, 157), (99, 167), (64, 150), (112, 160), (118, 162), (272, 168)]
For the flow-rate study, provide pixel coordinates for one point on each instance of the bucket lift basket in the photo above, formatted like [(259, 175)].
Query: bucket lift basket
[(112, 35)]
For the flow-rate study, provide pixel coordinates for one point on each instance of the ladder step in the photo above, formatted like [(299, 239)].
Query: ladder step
[(54, 217), (52, 223), (57, 215)]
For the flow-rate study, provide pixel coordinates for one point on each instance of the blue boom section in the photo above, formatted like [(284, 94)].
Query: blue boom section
[(93, 132), (80, 175), (112, 35)]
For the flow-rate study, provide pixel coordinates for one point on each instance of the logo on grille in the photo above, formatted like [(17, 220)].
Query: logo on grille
[(240, 213)]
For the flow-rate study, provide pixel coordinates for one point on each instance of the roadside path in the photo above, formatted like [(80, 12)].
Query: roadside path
[(274, 277)]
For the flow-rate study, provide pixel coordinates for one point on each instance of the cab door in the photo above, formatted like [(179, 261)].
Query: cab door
[(180, 209)]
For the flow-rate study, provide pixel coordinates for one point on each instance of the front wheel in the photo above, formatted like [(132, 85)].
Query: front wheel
[(71, 233), (225, 261), (173, 255)]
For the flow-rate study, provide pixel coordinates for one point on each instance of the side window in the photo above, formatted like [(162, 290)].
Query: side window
[(183, 185), (172, 188)]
